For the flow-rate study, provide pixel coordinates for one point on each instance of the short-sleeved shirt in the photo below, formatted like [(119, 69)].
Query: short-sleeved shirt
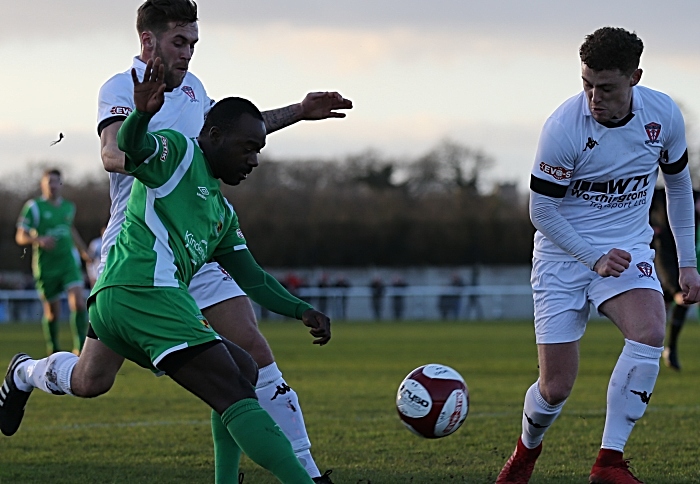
[(184, 111), (605, 173), (42, 218), (176, 219)]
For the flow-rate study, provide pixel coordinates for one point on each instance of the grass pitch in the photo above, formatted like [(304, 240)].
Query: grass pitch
[(147, 429)]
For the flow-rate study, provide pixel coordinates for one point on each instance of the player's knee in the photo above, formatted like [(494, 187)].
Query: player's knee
[(555, 392), (248, 368), (91, 385)]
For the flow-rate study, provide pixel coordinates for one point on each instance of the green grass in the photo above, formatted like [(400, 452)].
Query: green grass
[(148, 430)]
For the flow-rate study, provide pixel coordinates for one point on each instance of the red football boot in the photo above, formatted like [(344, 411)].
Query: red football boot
[(611, 468), (519, 467)]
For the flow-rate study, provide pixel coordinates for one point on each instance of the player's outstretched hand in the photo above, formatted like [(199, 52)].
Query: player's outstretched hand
[(149, 95), (323, 105), (613, 263), (690, 284), (46, 242), (320, 325)]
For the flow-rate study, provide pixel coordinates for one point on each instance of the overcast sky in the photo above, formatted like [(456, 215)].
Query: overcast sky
[(486, 74)]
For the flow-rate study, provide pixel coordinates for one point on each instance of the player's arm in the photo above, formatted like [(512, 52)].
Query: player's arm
[(681, 218), (315, 106), (113, 159), (149, 95), (80, 244), (27, 237), (549, 182), (265, 290)]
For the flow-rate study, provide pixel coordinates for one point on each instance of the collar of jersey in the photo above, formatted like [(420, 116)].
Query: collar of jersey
[(637, 105)]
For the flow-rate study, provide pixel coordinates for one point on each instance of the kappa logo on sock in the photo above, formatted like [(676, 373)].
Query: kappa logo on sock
[(281, 390), (643, 395), (533, 423)]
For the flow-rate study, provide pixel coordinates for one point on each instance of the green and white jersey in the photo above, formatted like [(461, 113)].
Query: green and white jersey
[(40, 217), (176, 219)]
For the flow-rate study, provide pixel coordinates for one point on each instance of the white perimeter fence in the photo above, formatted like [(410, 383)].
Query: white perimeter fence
[(357, 303)]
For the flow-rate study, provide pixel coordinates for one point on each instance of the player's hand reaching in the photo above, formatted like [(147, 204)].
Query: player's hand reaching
[(149, 95), (320, 325), (689, 280), (323, 105), (613, 263)]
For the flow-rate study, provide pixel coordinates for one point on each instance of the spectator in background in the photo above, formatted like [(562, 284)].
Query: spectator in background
[(398, 299), (449, 304), (46, 223), (343, 284), (473, 300), (323, 284), (377, 289)]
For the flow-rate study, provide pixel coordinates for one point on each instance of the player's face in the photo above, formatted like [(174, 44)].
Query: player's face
[(51, 186), (609, 92), (237, 150), (175, 47)]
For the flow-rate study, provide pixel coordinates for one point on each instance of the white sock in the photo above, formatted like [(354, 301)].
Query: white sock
[(629, 391), (538, 415), (51, 374), (282, 403)]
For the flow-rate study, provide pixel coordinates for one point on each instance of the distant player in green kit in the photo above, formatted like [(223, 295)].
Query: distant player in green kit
[(46, 223), (176, 220)]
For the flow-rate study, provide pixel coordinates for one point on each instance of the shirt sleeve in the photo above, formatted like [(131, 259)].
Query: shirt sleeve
[(674, 156), (28, 216), (554, 161), (152, 158), (681, 215), (115, 101)]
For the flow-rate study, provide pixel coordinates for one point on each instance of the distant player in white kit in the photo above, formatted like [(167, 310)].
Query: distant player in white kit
[(591, 186), (168, 29)]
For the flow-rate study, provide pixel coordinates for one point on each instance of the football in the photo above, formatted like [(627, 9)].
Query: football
[(433, 401)]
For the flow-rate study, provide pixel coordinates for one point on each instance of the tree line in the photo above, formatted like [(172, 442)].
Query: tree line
[(364, 210)]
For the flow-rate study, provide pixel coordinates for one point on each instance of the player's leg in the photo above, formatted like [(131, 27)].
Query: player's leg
[(638, 311), (231, 314), (235, 320), (78, 315), (50, 325), (561, 313), (217, 374), (677, 320)]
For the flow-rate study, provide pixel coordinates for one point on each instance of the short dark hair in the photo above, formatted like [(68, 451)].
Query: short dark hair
[(226, 112), (51, 171), (610, 48), (154, 15)]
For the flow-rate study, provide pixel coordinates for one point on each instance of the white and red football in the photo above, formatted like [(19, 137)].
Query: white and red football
[(433, 401)]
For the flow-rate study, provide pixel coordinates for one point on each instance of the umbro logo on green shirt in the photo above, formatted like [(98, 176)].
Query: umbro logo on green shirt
[(203, 193)]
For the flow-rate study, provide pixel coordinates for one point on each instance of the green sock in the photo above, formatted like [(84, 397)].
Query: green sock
[(79, 326), (262, 440), (50, 328), (227, 454)]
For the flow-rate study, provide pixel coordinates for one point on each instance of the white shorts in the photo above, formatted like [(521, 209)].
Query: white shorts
[(212, 285), (562, 292)]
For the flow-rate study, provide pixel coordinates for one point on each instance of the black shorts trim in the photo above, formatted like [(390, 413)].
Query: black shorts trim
[(676, 167), (547, 188), (177, 359)]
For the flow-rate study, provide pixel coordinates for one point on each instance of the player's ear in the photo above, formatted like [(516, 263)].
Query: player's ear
[(147, 39), (214, 134), (636, 77)]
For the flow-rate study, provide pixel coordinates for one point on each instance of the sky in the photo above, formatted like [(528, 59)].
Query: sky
[(484, 74)]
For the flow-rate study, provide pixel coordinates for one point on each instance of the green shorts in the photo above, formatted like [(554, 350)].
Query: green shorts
[(51, 286), (145, 324)]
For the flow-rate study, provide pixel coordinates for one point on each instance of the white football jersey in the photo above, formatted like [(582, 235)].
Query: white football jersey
[(184, 111), (605, 173)]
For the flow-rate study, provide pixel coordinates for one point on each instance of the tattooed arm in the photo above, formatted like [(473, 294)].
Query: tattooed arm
[(316, 105)]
